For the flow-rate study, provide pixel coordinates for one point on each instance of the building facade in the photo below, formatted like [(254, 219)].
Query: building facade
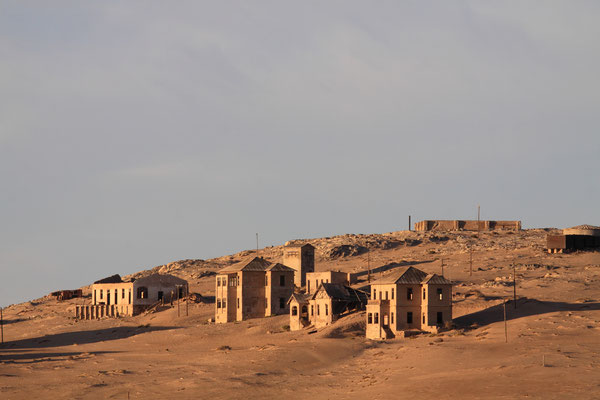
[(254, 288), (408, 299), (466, 225), (301, 258), (113, 298), (315, 279)]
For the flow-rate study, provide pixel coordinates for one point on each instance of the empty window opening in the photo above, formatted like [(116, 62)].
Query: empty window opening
[(312, 310), (409, 294), (266, 280), (123, 293), (218, 281), (326, 309), (101, 294), (370, 318), (281, 303), (223, 303), (424, 294), (440, 317), (160, 295), (374, 294), (392, 293), (180, 292), (440, 294), (281, 280), (218, 303), (423, 317), (392, 318), (409, 317), (318, 310), (294, 310), (142, 292), (238, 302), (376, 318), (386, 295)]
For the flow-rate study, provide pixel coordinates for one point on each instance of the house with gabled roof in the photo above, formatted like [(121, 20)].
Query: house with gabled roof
[(408, 299), (325, 305), (253, 288)]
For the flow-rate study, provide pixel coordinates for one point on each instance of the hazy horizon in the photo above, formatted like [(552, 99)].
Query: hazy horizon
[(134, 134)]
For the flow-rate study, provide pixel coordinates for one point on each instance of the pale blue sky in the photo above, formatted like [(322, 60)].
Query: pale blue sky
[(133, 134)]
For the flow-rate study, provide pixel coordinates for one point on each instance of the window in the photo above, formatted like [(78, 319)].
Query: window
[(440, 318), (218, 303), (409, 317), (386, 295), (318, 310), (218, 281), (376, 318), (266, 302), (281, 280), (392, 319), (160, 295), (423, 317), (308, 286), (142, 292), (266, 280), (439, 293), (326, 309), (94, 297), (129, 296), (312, 310), (281, 303), (237, 281), (392, 293), (294, 310), (101, 294), (123, 293), (223, 303), (370, 318), (409, 294), (424, 294), (116, 295), (374, 294)]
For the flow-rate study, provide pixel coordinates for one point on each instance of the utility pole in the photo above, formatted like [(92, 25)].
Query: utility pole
[(515, 286), (187, 302), (505, 327), (178, 288), (478, 221), (1, 326), (409, 224), (368, 265), (471, 261), (257, 244)]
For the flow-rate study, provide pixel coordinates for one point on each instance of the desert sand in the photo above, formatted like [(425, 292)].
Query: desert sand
[(553, 348)]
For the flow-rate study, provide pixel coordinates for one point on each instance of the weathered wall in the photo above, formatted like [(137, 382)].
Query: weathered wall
[(277, 292), (314, 279), (467, 225), (302, 260), (252, 302)]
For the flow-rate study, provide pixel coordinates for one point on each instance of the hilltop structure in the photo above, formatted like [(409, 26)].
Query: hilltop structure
[(408, 299), (111, 297), (301, 258), (579, 237), (325, 305), (466, 225), (252, 289)]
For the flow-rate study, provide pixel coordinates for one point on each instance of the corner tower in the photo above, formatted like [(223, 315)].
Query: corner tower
[(300, 257)]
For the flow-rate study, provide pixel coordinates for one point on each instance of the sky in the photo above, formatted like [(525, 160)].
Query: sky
[(137, 133)]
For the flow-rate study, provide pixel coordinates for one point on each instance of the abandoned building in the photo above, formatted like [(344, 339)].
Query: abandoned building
[(408, 299), (67, 294), (252, 289), (301, 258), (581, 237), (314, 279), (325, 305), (111, 297), (466, 225)]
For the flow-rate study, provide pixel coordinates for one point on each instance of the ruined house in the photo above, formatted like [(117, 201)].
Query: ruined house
[(325, 305), (252, 289), (314, 279), (408, 299), (466, 225), (581, 237), (111, 297), (301, 258), (67, 294)]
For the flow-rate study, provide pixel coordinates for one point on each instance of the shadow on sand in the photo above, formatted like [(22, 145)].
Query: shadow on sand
[(12, 321), (525, 308), (25, 357), (81, 337)]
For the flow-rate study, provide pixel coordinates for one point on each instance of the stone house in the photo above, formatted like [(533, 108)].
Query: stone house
[(315, 279), (325, 305), (253, 288), (301, 258), (408, 299), (112, 297)]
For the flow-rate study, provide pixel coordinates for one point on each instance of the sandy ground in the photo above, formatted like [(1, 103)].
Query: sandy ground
[(553, 349)]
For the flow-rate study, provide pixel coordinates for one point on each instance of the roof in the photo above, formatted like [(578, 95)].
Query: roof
[(161, 279), (436, 280), (299, 297), (292, 244), (591, 227), (337, 291), (280, 267), (111, 279), (406, 275), (251, 264)]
